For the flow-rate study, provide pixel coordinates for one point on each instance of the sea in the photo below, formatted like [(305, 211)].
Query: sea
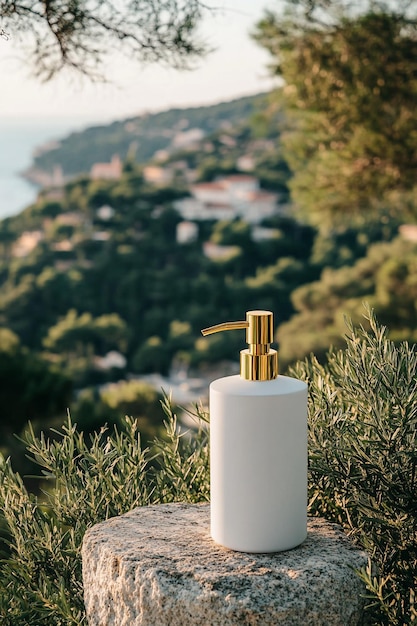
[(19, 138)]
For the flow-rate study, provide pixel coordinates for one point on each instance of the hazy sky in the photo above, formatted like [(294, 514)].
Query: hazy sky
[(237, 67)]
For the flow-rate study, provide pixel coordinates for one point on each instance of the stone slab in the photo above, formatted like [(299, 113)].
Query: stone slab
[(158, 566)]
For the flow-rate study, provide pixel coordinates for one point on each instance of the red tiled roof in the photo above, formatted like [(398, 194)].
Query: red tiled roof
[(218, 186)]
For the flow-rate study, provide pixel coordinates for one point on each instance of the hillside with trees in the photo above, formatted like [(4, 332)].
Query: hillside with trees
[(95, 283), (125, 285), (139, 138)]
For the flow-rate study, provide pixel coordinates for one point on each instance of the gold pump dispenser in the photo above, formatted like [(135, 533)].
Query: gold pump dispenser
[(259, 361)]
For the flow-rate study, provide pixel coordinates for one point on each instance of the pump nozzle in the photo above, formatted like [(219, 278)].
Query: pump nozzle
[(259, 362), (224, 326)]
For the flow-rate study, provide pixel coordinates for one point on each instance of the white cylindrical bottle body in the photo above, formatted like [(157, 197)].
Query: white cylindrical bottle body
[(258, 463)]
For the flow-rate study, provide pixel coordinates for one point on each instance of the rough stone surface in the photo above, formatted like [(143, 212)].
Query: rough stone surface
[(158, 566)]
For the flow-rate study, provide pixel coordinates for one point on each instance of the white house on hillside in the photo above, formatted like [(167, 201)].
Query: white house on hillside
[(188, 138), (108, 171), (226, 198), (187, 232), (158, 175), (27, 241), (105, 212)]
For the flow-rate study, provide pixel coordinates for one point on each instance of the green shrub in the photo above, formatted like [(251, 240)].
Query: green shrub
[(90, 481), (363, 459), (363, 474)]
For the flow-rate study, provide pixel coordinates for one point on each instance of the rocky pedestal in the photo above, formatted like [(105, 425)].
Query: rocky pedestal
[(158, 566)]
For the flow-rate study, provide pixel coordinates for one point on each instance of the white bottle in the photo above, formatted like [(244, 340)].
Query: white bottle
[(258, 448)]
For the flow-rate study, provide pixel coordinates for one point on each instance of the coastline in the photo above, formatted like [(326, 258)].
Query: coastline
[(22, 139), (36, 177)]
